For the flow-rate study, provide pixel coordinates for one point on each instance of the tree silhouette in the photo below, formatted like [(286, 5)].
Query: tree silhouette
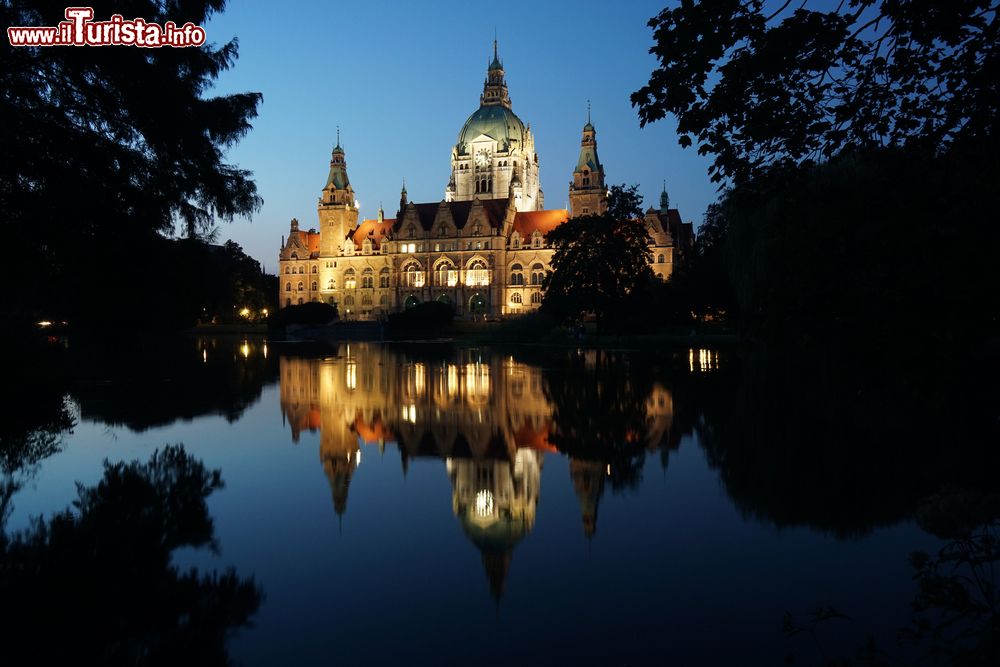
[(757, 87), (95, 584), (599, 260), (105, 148)]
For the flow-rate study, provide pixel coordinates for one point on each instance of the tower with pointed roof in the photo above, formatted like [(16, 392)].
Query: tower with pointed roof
[(495, 149), (338, 213), (588, 194)]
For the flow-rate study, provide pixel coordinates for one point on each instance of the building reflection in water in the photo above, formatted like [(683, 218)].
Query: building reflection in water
[(486, 416)]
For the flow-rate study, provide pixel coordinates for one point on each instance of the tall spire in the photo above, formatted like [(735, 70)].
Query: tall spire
[(664, 198), (338, 133), (495, 88)]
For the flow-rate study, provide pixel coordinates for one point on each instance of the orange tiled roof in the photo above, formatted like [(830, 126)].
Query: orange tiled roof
[(526, 222), (374, 230), (526, 436), (310, 240), (372, 433)]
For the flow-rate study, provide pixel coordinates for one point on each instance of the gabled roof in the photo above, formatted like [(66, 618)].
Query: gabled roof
[(495, 209), (527, 222), (374, 230), (308, 241)]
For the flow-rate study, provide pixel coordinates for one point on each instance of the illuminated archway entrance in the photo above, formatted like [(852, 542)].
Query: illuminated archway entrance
[(477, 304)]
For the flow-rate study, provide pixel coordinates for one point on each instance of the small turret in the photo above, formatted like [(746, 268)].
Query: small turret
[(664, 200)]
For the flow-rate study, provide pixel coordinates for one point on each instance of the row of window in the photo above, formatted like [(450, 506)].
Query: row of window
[(536, 297), (302, 269), (536, 276)]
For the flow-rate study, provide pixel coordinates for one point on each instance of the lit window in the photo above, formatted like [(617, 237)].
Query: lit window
[(516, 298), (477, 274)]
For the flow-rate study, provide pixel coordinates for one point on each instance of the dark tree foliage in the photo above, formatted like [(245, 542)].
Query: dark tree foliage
[(104, 148), (99, 578), (430, 318), (757, 84), (599, 260), (310, 313), (702, 280), (600, 413), (216, 377)]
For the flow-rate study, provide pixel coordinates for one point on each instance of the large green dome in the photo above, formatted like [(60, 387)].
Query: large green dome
[(495, 121)]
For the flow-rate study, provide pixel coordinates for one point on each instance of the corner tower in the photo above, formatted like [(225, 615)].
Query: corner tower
[(338, 213), (588, 195), (495, 150)]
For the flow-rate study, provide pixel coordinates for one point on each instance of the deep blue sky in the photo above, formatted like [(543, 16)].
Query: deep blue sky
[(400, 78)]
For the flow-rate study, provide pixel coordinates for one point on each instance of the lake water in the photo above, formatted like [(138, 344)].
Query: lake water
[(445, 504)]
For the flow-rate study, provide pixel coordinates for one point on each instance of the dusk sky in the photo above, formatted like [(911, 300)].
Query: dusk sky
[(400, 79)]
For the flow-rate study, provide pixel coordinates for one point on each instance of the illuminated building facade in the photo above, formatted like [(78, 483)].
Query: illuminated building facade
[(482, 248)]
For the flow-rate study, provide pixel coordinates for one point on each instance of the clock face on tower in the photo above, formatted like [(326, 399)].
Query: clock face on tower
[(482, 157)]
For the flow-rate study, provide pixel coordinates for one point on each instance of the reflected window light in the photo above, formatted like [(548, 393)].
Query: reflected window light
[(484, 503), (352, 375), (204, 356), (452, 380), (265, 350), (245, 350)]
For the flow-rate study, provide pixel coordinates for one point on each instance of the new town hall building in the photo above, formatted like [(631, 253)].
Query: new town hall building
[(481, 249)]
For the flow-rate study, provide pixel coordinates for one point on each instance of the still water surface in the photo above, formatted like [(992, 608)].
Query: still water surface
[(451, 505)]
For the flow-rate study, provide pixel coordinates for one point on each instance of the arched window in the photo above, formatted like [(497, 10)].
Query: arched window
[(477, 273), (348, 300), (516, 275), (300, 301), (515, 298), (314, 286), (330, 283), (288, 287), (536, 240), (366, 300), (661, 259), (331, 301), (383, 300), (302, 269), (315, 269), (301, 286), (445, 275), (288, 269), (515, 242), (413, 276), (383, 278), (288, 302), (537, 274), (350, 282), (367, 279), (536, 297)]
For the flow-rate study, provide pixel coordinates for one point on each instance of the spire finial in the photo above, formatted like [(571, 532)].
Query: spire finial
[(404, 183), (588, 112), (494, 42), (338, 135)]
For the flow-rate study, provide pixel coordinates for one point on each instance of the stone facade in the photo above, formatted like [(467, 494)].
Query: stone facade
[(481, 249)]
